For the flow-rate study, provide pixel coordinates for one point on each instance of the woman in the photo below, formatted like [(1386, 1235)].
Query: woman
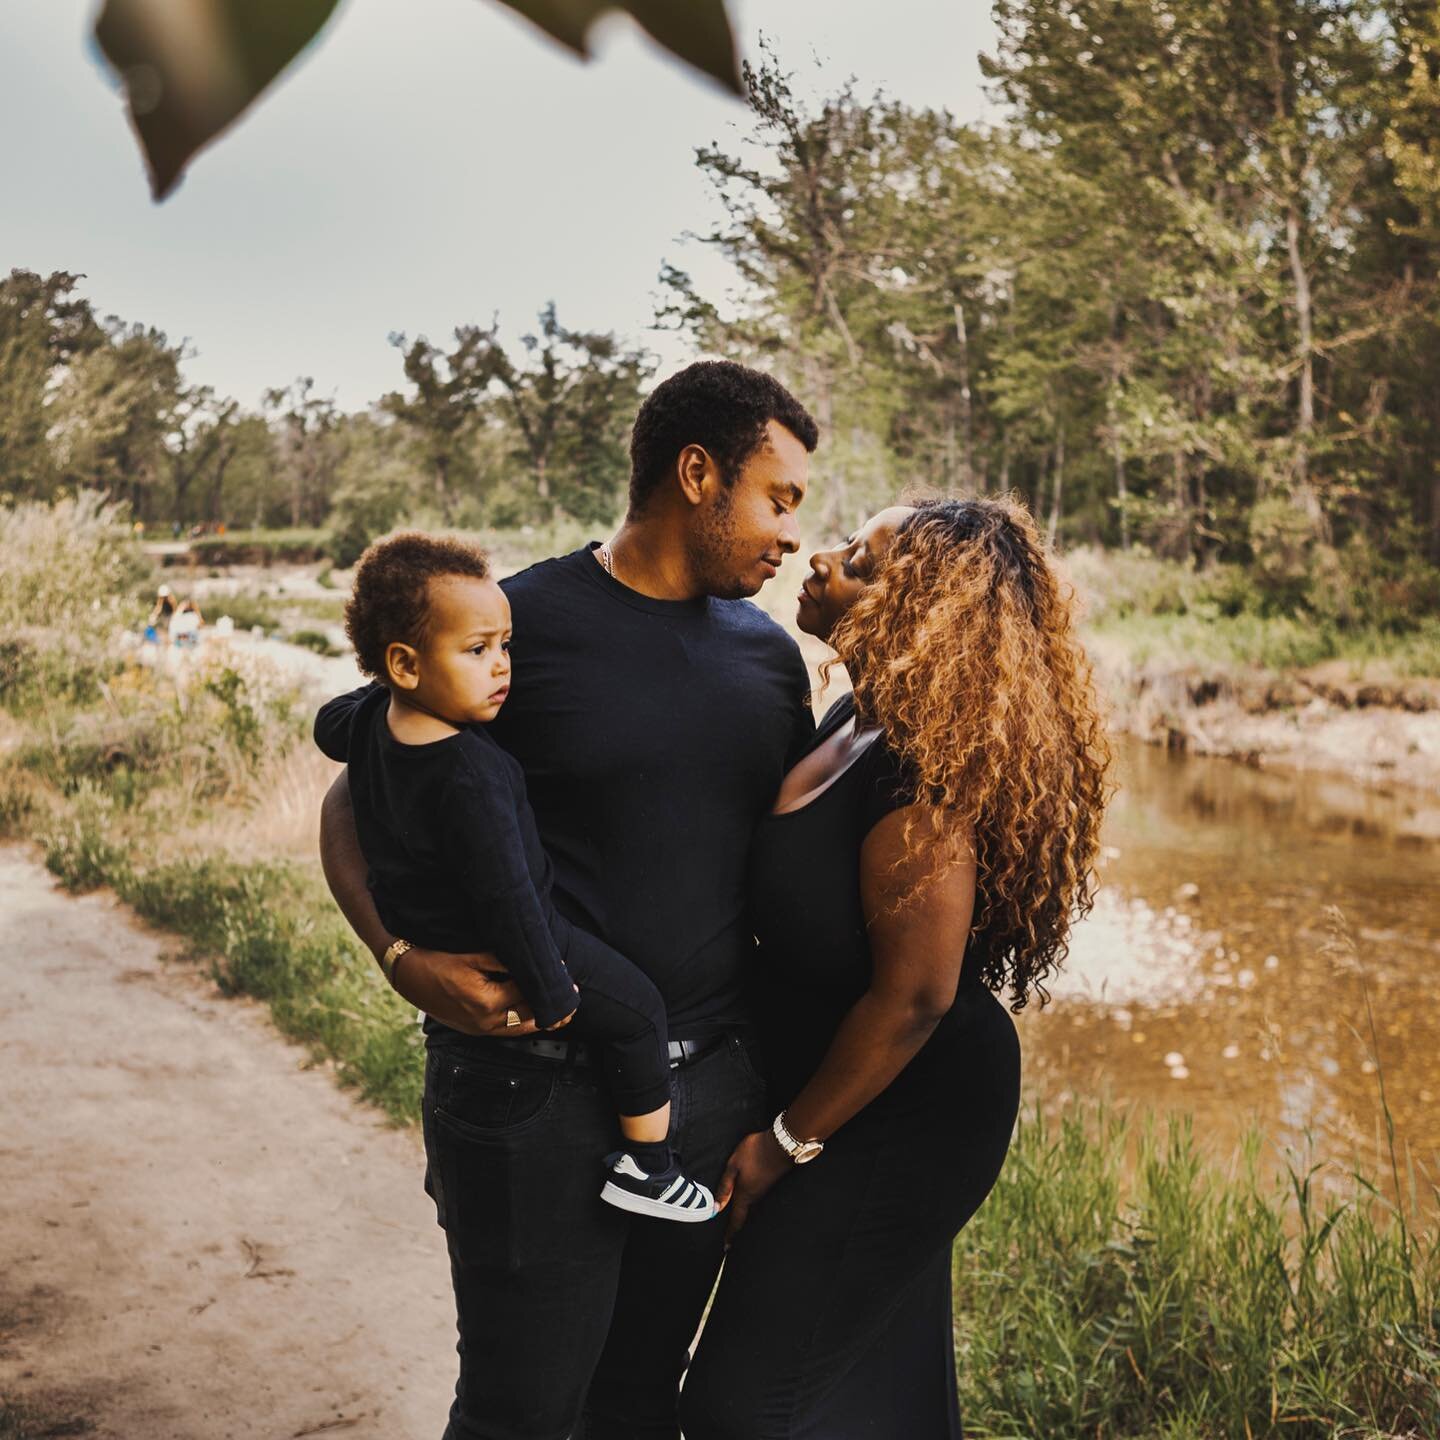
[(928, 852)]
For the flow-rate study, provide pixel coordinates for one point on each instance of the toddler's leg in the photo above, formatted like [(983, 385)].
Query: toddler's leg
[(623, 1011)]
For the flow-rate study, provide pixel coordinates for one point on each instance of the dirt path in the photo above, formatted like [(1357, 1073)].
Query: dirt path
[(200, 1237)]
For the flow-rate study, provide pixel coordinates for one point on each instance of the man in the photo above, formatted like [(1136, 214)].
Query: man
[(654, 712)]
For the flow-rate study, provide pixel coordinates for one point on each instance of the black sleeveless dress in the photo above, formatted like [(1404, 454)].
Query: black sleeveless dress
[(833, 1317)]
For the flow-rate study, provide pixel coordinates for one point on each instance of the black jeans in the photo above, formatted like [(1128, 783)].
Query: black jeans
[(566, 1305)]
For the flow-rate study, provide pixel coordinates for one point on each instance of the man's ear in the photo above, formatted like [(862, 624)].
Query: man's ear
[(402, 665), (695, 467)]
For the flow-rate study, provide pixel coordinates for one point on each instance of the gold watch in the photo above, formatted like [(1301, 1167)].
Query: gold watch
[(802, 1152), (387, 961)]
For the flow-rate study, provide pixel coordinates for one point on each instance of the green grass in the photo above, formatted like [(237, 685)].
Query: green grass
[(1271, 642), (315, 640), (289, 536), (1121, 1283), (266, 547), (247, 610), (329, 608)]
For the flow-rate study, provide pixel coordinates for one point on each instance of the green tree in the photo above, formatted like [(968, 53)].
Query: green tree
[(306, 446), (44, 327), (202, 445), (441, 407), (569, 400), (113, 413)]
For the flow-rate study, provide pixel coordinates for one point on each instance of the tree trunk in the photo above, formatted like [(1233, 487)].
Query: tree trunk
[(1057, 486), (212, 503), (1303, 486), (1117, 452), (1305, 494), (1435, 515), (442, 486), (1181, 501), (824, 386), (549, 509), (967, 418)]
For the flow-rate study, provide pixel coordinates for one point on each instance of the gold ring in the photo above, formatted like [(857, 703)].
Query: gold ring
[(511, 1019)]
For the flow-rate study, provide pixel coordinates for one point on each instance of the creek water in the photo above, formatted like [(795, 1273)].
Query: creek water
[(1243, 920)]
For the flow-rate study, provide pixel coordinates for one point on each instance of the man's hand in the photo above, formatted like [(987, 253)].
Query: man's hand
[(466, 992), (758, 1162)]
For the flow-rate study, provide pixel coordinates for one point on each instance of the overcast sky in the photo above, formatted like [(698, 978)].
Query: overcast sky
[(430, 162)]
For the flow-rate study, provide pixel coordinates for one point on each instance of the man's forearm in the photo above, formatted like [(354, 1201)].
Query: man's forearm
[(345, 867)]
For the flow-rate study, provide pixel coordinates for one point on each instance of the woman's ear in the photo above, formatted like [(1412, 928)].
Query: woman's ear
[(694, 467), (402, 665)]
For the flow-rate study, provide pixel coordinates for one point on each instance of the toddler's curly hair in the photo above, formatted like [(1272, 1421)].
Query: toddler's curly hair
[(390, 601)]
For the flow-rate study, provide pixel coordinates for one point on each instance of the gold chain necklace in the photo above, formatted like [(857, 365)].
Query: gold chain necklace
[(606, 559)]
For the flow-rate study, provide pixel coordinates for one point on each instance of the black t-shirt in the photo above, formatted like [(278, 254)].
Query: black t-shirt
[(653, 735), (454, 857), (814, 959)]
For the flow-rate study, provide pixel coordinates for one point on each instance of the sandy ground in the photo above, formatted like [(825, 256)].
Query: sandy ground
[(201, 1236)]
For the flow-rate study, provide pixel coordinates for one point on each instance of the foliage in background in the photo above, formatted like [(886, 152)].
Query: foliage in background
[(1185, 294)]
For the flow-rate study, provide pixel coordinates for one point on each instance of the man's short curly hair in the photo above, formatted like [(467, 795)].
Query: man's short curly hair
[(390, 601), (715, 403)]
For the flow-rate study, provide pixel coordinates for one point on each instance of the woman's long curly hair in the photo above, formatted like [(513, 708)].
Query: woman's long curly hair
[(962, 649)]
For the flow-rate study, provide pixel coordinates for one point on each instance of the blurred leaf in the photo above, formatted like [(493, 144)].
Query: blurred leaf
[(698, 31), (192, 67)]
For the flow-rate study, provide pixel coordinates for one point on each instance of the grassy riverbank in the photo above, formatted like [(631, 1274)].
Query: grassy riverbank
[(1209, 663), (1122, 1281)]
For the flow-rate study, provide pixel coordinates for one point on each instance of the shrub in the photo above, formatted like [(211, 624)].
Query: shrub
[(249, 612), (77, 844), (315, 640), (47, 547)]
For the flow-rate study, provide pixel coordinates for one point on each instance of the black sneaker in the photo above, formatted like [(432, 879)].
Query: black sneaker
[(668, 1195)]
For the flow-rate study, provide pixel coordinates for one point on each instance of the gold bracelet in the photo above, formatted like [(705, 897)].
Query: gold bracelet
[(388, 959)]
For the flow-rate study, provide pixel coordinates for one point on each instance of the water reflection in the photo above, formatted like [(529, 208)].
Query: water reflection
[(1209, 976)]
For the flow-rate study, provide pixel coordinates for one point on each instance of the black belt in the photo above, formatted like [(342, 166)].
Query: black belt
[(577, 1052)]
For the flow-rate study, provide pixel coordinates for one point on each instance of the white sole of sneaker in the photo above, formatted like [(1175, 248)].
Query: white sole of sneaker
[(643, 1205)]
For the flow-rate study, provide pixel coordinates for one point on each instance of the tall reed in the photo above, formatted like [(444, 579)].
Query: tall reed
[(1119, 1283)]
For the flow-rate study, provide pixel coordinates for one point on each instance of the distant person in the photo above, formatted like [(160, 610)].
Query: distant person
[(455, 861), (185, 624), (927, 853), (654, 713), (161, 613)]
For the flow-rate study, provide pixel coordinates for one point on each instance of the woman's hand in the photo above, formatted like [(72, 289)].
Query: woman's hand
[(758, 1162)]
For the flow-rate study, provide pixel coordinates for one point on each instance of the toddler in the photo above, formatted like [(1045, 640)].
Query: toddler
[(454, 856)]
